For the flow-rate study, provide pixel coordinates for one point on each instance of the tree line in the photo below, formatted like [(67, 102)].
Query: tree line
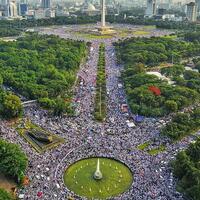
[(100, 98)]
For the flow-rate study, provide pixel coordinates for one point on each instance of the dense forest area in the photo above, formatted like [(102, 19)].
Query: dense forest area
[(153, 51), (42, 68), (148, 94), (186, 168)]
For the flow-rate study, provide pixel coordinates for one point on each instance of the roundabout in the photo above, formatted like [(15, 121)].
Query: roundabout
[(98, 178)]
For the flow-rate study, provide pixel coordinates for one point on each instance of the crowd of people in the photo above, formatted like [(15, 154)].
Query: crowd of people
[(84, 137)]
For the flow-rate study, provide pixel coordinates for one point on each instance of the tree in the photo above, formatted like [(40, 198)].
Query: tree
[(171, 106), (4, 195), (60, 106), (1, 80), (13, 161), (12, 106)]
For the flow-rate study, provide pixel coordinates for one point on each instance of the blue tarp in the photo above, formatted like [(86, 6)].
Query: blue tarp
[(139, 118)]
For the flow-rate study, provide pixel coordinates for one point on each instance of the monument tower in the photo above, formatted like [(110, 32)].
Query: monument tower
[(103, 13), (103, 29)]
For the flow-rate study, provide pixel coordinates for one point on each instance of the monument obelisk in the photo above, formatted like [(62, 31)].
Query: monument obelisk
[(103, 29), (103, 13)]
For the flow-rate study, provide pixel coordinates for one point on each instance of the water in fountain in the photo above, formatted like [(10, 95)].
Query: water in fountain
[(98, 175)]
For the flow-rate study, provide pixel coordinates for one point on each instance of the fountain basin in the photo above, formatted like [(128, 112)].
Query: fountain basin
[(116, 178)]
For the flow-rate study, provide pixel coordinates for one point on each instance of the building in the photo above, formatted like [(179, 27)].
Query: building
[(23, 9), (50, 13), (3, 2), (89, 9), (39, 14), (30, 14), (172, 17), (198, 6), (151, 8), (162, 11), (46, 4), (60, 11), (11, 10), (191, 11)]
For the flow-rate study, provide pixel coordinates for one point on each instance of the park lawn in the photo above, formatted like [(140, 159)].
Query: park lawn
[(170, 37), (117, 178), (149, 27), (140, 32), (92, 36), (157, 150), (144, 145)]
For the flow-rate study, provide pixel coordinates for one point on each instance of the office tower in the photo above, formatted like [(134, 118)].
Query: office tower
[(46, 4), (191, 11), (151, 8), (198, 5), (3, 2), (11, 10), (23, 9)]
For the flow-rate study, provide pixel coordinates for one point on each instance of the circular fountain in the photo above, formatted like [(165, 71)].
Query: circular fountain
[(98, 178)]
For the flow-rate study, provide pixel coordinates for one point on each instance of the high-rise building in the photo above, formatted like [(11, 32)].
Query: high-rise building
[(46, 4), (191, 13), (3, 2), (11, 10), (23, 9), (198, 5), (151, 8)]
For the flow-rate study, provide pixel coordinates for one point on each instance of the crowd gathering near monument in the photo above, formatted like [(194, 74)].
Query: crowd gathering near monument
[(84, 137)]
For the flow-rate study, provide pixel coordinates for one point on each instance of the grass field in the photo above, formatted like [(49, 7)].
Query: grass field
[(157, 150), (117, 178), (122, 32), (140, 32), (92, 36), (143, 146)]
